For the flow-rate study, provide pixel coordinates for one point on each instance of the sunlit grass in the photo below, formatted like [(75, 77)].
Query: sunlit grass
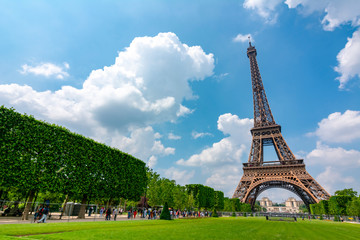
[(209, 228)]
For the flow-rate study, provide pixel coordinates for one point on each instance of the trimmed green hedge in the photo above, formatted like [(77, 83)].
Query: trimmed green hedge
[(204, 196), (165, 213), (38, 156)]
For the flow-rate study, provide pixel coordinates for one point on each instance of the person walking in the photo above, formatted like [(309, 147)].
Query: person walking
[(108, 214), (90, 210), (115, 213), (101, 211), (36, 215), (45, 212)]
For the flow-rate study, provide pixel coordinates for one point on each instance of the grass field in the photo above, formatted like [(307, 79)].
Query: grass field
[(209, 228)]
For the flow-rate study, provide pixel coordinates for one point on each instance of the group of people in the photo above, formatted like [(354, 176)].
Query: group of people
[(178, 213), (153, 213), (147, 213), (108, 212), (41, 214)]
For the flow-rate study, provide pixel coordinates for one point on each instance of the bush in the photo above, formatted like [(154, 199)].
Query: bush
[(233, 214), (244, 214), (214, 214), (165, 213), (321, 217)]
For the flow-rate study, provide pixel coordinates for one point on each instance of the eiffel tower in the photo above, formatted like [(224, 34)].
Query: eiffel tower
[(287, 172)]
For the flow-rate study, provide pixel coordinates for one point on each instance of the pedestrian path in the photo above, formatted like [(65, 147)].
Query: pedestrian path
[(94, 218)]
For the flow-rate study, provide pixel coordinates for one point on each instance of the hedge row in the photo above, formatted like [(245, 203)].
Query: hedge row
[(38, 156), (206, 197)]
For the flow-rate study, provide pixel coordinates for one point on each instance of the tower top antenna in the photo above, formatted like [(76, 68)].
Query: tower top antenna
[(249, 40)]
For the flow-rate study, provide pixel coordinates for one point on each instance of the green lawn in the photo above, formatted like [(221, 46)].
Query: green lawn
[(209, 228)]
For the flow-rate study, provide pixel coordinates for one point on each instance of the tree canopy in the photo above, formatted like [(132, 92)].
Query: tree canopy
[(38, 156)]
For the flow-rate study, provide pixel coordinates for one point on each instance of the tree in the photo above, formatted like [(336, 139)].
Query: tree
[(195, 191), (190, 202), (180, 197), (337, 204), (28, 154), (160, 190), (346, 192), (353, 207), (232, 205), (203, 195), (324, 205), (166, 189), (41, 157), (165, 213), (258, 208), (209, 196), (303, 208), (315, 209), (219, 200), (153, 190), (227, 205), (245, 207), (214, 213)]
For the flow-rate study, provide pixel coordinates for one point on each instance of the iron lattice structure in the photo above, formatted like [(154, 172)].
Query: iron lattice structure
[(287, 172)]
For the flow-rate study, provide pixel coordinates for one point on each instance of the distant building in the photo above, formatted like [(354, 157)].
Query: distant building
[(291, 205)]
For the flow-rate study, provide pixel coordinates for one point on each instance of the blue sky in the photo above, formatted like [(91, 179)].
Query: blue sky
[(169, 81)]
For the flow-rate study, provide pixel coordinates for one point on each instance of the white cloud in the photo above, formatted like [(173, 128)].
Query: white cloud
[(222, 162), (196, 135), (227, 150), (146, 85), (172, 136), (225, 178), (337, 12), (339, 128), (265, 8), (183, 111), (339, 165), (152, 161), (339, 157), (348, 60), (243, 38), (332, 180), (143, 143), (220, 76), (181, 177), (46, 70)]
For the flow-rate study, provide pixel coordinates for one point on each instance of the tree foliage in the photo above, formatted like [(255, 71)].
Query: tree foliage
[(165, 213), (337, 204), (343, 202), (37, 157), (41, 157), (160, 190), (204, 196), (353, 208), (219, 200), (234, 205), (346, 192)]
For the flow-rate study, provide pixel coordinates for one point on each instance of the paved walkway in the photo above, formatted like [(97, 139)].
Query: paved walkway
[(93, 218)]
